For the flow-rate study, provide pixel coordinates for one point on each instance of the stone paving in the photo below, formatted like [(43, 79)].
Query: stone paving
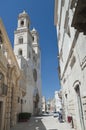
[(42, 123)]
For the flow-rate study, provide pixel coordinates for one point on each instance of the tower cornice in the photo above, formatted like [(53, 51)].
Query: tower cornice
[(23, 30)]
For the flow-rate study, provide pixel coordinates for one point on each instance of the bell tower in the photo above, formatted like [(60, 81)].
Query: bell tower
[(23, 21), (27, 51), (35, 42), (22, 36)]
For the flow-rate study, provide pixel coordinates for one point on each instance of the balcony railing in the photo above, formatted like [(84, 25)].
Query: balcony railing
[(79, 18)]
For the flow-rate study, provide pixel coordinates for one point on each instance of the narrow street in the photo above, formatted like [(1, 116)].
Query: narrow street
[(42, 123)]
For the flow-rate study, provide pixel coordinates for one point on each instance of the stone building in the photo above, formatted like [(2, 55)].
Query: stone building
[(70, 23), (43, 104), (9, 82), (50, 105), (28, 54), (58, 101)]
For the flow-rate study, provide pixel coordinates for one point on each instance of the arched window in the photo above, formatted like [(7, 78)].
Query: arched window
[(22, 22), (35, 75), (20, 52), (33, 38), (1, 40)]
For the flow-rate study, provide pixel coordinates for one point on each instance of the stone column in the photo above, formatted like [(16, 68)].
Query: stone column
[(8, 102)]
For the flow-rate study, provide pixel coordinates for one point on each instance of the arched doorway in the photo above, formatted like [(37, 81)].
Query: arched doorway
[(79, 102)]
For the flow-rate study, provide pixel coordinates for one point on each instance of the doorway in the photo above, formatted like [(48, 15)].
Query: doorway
[(80, 110)]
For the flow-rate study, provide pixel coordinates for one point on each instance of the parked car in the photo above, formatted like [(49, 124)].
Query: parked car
[(56, 114), (45, 113)]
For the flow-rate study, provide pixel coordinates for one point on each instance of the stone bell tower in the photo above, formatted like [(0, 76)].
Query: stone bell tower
[(27, 51), (22, 36)]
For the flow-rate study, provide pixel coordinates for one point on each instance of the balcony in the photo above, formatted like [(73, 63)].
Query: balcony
[(79, 18)]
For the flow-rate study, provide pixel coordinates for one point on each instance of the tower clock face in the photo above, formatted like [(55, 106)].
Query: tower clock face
[(35, 75)]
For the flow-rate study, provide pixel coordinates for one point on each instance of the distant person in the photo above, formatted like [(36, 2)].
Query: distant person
[(60, 117)]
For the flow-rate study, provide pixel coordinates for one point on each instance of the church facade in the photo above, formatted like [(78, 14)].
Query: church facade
[(27, 51)]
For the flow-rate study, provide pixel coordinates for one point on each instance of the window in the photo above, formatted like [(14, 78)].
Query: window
[(21, 101), (18, 99), (22, 22), (20, 40), (34, 59), (0, 32), (20, 52), (33, 38), (1, 41), (35, 75), (66, 96)]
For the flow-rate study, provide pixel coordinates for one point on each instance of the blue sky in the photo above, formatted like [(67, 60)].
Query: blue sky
[(41, 13)]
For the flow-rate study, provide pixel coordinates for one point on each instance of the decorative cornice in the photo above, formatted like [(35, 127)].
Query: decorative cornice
[(23, 30)]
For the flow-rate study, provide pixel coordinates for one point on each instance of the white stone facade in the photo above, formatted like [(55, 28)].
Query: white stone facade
[(58, 102), (43, 104), (70, 24), (27, 51)]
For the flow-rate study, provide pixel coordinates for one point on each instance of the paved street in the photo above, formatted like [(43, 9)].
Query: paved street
[(42, 123)]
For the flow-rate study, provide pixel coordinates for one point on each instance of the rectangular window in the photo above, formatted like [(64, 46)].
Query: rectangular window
[(20, 40), (18, 99)]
